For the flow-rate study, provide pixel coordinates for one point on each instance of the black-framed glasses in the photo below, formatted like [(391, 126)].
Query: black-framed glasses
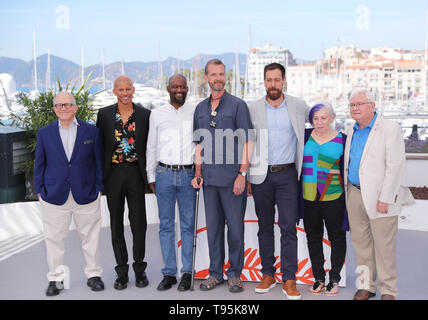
[(64, 105), (357, 105)]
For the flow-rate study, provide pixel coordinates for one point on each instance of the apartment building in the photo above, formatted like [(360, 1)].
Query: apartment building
[(391, 75), (258, 58)]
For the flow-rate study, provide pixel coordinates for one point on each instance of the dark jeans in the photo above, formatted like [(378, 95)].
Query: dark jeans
[(330, 213), (125, 181), (221, 206), (280, 189)]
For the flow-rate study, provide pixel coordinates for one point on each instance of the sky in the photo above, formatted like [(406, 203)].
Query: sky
[(148, 31)]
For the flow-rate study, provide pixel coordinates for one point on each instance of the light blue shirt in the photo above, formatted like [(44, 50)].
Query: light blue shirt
[(68, 137), (282, 140), (359, 139)]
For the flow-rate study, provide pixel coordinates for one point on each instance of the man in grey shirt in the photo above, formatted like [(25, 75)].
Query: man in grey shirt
[(222, 131)]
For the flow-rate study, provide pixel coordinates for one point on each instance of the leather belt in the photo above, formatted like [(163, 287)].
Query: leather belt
[(356, 186), (176, 166), (280, 167)]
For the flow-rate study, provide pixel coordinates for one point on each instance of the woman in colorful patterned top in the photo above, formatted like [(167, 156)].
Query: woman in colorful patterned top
[(323, 196)]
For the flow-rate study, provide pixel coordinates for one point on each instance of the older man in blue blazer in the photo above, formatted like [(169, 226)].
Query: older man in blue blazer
[(68, 176)]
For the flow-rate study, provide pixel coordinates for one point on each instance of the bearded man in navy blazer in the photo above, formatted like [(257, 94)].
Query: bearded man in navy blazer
[(68, 181)]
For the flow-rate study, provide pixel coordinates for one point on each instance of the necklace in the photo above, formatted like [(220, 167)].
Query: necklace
[(325, 136), (213, 112)]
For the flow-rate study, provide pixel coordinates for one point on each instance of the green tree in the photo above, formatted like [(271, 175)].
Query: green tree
[(39, 112)]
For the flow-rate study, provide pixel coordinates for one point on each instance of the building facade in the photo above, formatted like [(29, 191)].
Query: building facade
[(258, 58)]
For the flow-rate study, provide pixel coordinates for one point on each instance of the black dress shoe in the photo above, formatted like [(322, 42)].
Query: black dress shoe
[(95, 283), (54, 288), (121, 282), (167, 283), (184, 284), (141, 280)]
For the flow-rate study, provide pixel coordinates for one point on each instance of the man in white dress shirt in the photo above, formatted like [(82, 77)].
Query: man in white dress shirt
[(170, 169)]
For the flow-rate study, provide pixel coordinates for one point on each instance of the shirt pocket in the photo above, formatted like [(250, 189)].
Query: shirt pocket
[(227, 122)]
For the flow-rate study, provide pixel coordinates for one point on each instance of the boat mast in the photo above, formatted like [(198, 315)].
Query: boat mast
[(35, 60), (82, 76), (237, 77), (246, 86), (48, 71), (103, 68)]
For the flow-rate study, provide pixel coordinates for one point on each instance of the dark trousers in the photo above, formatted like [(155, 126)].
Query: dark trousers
[(221, 206), (280, 189), (125, 181), (330, 213)]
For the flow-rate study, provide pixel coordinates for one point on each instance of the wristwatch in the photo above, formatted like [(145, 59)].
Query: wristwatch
[(242, 173)]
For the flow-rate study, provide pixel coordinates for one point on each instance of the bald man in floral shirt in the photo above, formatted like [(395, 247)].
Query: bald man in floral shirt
[(124, 129)]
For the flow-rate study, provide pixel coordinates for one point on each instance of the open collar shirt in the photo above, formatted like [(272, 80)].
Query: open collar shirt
[(170, 139), (282, 140), (359, 140), (68, 137), (222, 143)]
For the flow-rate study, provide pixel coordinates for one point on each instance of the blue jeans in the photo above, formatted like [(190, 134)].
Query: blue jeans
[(175, 186)]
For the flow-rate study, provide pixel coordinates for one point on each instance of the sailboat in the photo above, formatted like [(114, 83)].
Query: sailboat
[(34, 93), (48, 72)]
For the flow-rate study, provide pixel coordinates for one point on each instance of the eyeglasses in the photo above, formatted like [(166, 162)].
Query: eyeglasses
[(358, 104), (64, 105)]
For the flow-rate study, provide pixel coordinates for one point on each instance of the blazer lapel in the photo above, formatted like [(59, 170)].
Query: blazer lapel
[(349, 134), (291, 108), (111, 124), (371, 137), (138, 129), (58, 141), (108, 128), (78, 142), (262, 117)]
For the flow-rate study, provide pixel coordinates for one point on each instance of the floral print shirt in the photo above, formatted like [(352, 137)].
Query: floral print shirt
[(125, 140)]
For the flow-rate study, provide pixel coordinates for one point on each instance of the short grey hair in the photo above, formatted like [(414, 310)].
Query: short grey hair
[(369, 95), (65, 93), (321, 105), (216, 62)]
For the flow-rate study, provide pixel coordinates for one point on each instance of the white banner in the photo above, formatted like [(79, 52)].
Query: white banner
[(252, 262)]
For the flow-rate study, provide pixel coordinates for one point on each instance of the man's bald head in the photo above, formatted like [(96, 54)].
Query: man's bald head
[(124, 91), (177, 75), (122, 79)]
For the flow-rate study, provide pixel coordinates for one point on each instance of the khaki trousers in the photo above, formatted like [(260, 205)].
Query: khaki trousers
[(56, 224), (374, 241)]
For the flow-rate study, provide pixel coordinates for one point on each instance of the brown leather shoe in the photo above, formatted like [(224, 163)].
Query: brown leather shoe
[(387, 297), (267, 283), (290, 290), (363, 295)]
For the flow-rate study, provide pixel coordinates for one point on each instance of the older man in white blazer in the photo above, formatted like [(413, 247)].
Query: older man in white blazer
[(374, 166), (276, 164)]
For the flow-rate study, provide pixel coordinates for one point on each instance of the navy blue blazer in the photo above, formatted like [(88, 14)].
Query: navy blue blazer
[(54, 175)]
